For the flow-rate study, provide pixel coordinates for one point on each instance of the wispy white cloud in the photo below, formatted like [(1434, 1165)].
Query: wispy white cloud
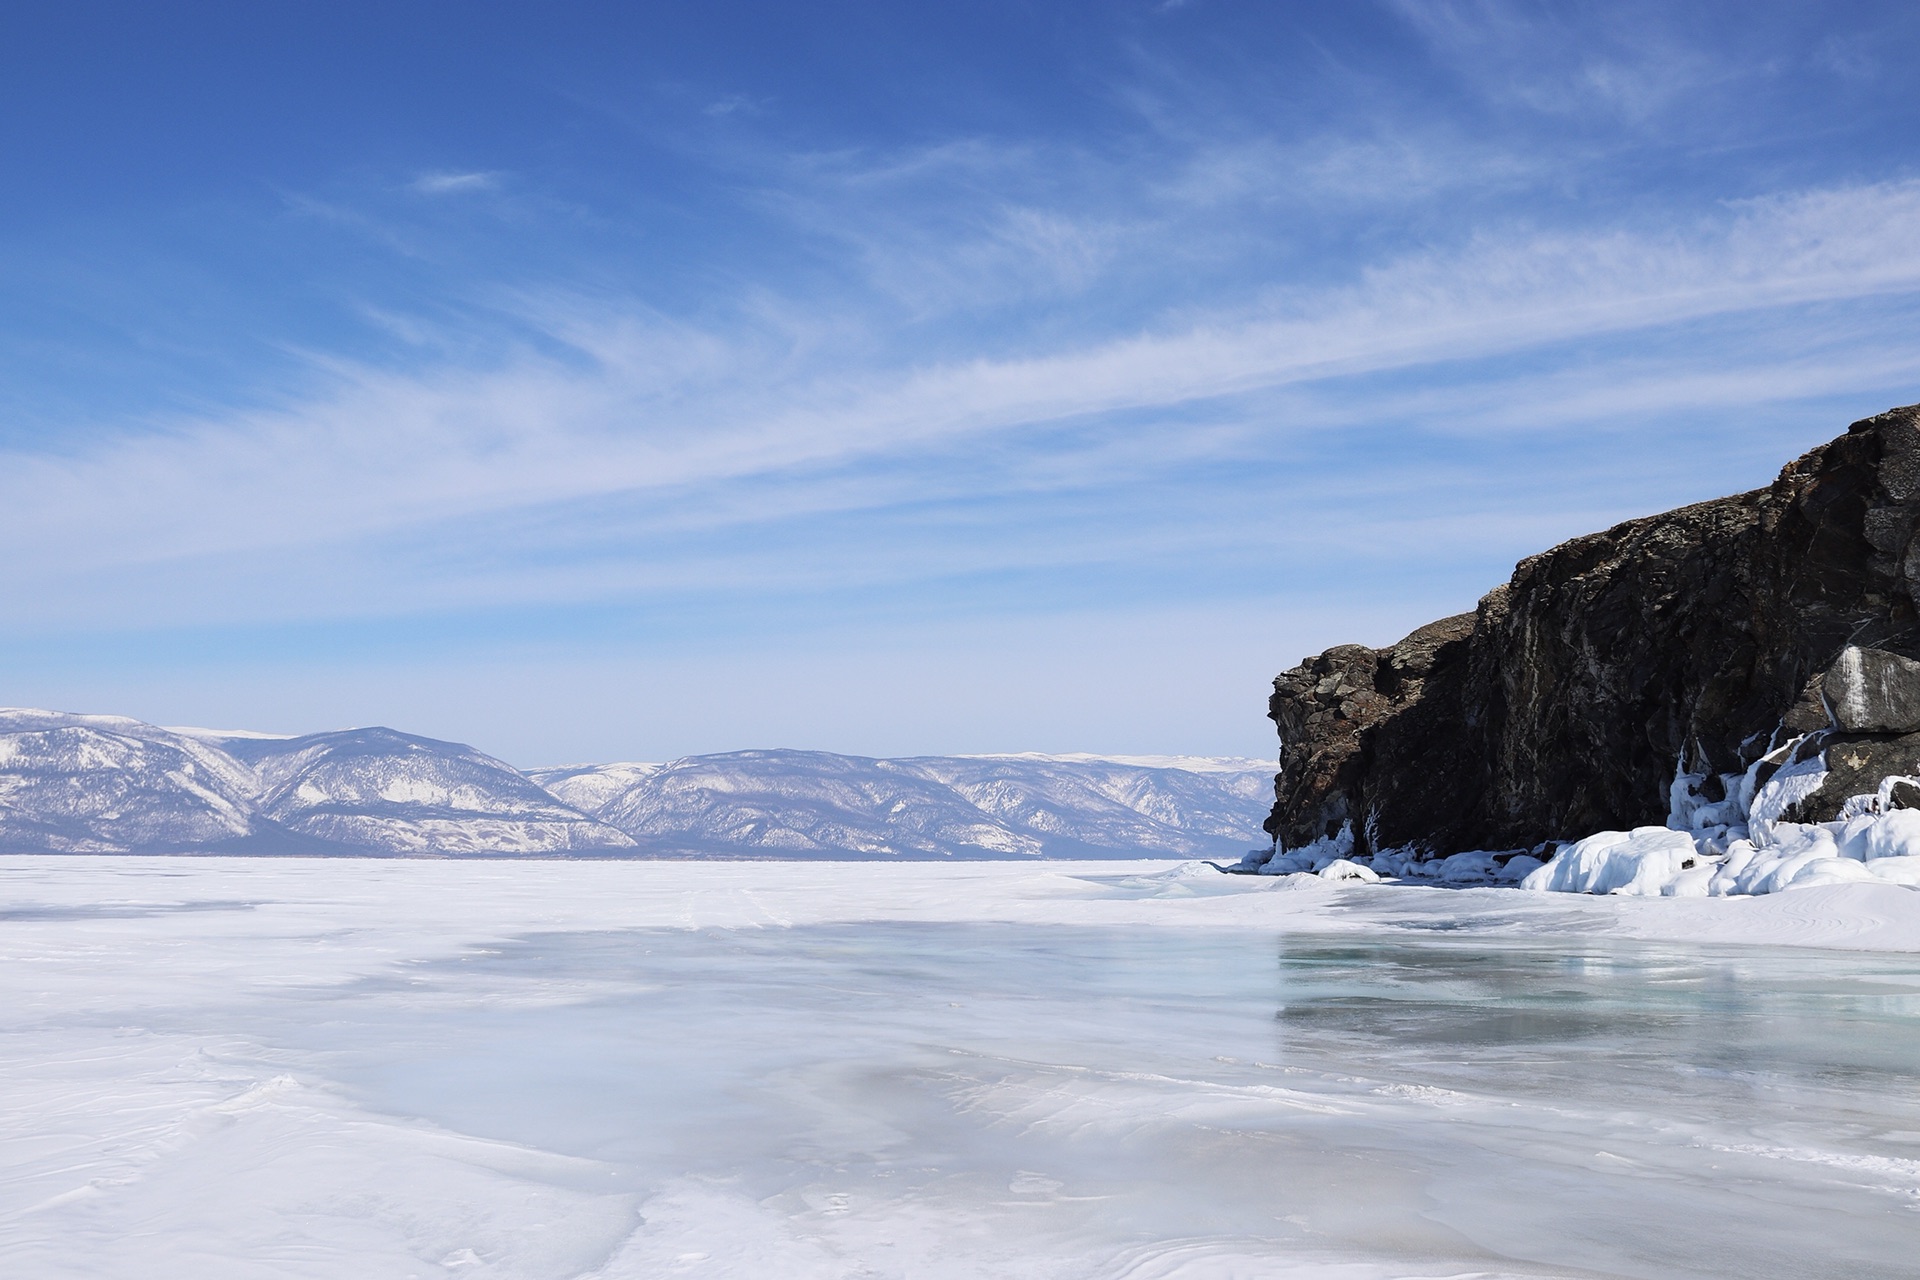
[(1853, 57), (645, 405), (735, 104), (1320, 310), (961, 225), (1625, 61), (441, 182)]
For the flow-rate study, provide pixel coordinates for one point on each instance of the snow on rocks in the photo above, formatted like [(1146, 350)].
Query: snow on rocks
[(1897, 870), (1331, 858), (1891, 835), (1345, 869), (1474, 868), (1638, 863), (1322, 853), (1656, 861), (1519, 867), (1873, 843), (1741, 844)]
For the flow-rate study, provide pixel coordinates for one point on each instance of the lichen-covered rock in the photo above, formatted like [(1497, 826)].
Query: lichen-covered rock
[(1698, 640)]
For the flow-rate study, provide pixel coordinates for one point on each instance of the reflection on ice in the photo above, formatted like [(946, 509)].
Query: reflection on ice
[(978, 1092), (990, 1079)]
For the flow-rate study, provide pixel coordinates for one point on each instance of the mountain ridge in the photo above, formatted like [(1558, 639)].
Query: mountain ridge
[(75, 783)]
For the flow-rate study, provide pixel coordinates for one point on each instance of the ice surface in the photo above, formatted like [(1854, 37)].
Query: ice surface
[(251, 1068)]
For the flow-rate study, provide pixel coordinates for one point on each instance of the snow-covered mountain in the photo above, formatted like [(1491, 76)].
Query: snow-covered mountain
[(591, 787), (397, 793), (818, 804), (106, 784)]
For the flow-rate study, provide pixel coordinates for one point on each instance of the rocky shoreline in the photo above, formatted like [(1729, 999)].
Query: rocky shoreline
[(1746, 661)]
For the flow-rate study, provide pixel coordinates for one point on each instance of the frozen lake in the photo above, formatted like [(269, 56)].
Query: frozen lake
[(328, 1068)]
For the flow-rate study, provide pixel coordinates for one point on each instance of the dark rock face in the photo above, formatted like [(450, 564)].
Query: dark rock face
[(1872, 691), (1857, 763), (1698, 639), (1350, 714)]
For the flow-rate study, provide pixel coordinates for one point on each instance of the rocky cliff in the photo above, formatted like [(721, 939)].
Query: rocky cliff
[(1714, 645)]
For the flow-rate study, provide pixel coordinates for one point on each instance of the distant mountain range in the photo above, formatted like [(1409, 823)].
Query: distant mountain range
[(107, 784)]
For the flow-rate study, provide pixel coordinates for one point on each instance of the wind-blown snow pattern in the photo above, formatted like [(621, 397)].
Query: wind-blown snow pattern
[(820, 804)]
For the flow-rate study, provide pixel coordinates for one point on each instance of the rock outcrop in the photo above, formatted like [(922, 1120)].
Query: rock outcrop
[(1713, 643), (1872, 691)]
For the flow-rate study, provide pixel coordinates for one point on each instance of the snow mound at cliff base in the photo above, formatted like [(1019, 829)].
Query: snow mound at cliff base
[(1648, 862), (1658, 862), (1331, 858)]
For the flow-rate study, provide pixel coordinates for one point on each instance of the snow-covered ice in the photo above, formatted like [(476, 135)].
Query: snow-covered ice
[(343, 1067)]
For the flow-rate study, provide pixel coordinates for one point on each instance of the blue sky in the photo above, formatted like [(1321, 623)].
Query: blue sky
[(624, 381)]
